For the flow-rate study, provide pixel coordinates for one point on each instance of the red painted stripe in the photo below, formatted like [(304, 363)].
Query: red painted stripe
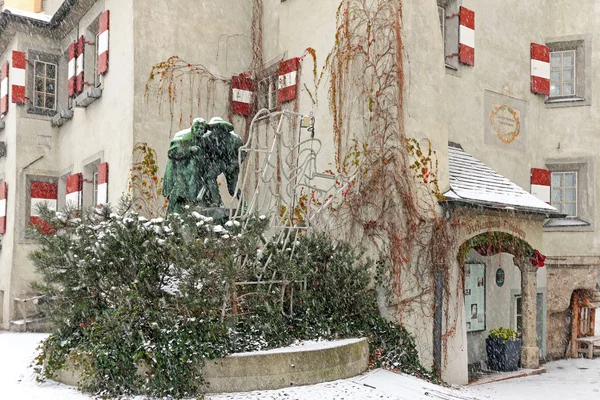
[(79, 51), (3, 191), (287, 94), (466, 55), (41, 225), (243, 83), (467, 18), (44, 190), (104, 23), (540, 85), (288, 66), (540, 176), (540, 52), (103, 63), (2, 225), (71, 86), (102, 173), (4, 99), (19, 59), (18, 94), (241, 108), (71, 51), (74, 183)]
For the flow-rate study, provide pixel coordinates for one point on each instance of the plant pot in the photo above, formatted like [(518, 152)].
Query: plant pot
[(503, 356)]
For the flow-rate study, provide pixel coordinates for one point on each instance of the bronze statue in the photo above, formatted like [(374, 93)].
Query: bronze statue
[(197, 156)]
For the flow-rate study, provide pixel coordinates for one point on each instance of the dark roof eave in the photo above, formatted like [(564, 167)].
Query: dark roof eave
[(503, 207)]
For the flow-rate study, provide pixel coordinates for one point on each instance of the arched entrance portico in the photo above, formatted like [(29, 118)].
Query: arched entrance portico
[(527, 260)]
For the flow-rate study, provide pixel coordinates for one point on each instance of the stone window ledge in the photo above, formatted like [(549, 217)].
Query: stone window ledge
[(90, 95), (61, 117)]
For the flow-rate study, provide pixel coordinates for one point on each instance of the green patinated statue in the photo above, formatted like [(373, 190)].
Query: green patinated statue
[(197, 156)]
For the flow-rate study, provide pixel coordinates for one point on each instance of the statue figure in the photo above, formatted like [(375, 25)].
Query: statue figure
[(220, 152), (182, 182), (197, 156)]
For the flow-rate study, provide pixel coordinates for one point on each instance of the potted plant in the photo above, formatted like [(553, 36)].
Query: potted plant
[(503, 349)]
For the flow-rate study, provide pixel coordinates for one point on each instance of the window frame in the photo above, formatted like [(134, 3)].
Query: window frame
[(561, 70), (35, 56), (583, 70), (518, 299), (586, 188), (45, 78), (95, 187), (563, 188), (267, 89), (450, 40)]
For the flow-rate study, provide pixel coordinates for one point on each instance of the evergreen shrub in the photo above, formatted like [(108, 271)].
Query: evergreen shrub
[(139, 304)]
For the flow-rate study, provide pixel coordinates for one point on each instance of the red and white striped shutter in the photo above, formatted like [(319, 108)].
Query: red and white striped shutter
[(3, 198), (540, 69), (80, 50), (74, 191), (102, 183), (4, 89), (540, 184), (72, 68), (103, 32), (42, 192), (466, 36), (288, 80), (242, 95), (17, 77)]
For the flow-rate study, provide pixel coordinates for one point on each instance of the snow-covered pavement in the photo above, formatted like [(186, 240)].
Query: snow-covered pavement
[(565, 380)]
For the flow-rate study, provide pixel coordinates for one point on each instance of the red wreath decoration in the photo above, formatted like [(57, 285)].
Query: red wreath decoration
[(538, 259)]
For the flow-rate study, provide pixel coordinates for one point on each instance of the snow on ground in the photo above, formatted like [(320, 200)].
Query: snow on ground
[(565, 380), (17, 380), (570, 379)]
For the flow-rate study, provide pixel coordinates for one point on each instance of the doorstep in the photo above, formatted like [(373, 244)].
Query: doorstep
[(496, 376)]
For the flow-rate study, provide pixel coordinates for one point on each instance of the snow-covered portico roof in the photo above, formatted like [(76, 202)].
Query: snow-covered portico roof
[(474, 183)]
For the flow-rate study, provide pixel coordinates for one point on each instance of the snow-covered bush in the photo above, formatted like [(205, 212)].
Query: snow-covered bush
[(139, 304)]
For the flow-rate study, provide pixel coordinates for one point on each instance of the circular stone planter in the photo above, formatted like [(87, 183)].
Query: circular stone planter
[(289, 366), (304, 364)]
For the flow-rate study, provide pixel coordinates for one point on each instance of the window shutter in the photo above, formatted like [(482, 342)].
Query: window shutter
[(74, 191), (540, 69), (80, 49), (540, 184), (288, 80), (72, 68), (42, 192), (466, 36), (3, 197), (103, 32), (102, 183), (17, 77), (242, 95), (4, 89)]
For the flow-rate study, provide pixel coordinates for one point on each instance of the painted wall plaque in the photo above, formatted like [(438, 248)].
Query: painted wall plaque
[(475, 297), (505, 121)]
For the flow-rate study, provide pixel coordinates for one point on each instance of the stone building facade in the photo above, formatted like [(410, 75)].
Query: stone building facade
[(509, 82)]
